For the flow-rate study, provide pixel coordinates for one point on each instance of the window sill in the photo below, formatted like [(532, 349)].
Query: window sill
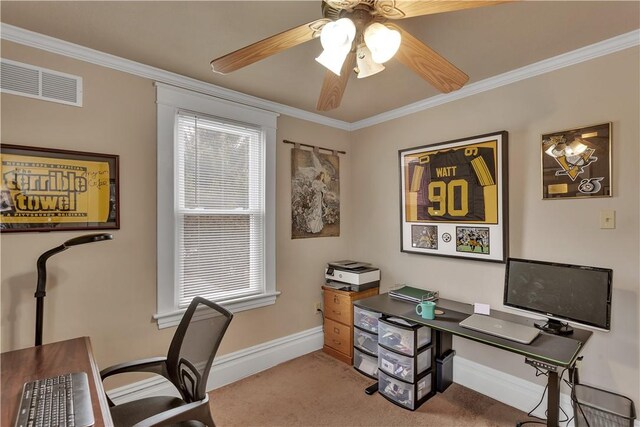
[(172, 318)]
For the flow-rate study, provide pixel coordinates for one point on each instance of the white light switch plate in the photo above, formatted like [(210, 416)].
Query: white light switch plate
[(608, 219)]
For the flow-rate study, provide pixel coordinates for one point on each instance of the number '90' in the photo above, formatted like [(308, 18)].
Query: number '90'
[(442, 198)]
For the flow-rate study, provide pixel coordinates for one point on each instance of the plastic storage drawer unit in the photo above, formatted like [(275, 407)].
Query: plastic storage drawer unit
[(403, 367), (365, 341), (404, 339), (364, 363), (407, 395), (364, 319)]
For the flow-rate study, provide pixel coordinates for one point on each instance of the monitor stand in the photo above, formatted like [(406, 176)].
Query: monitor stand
[(555, 327)]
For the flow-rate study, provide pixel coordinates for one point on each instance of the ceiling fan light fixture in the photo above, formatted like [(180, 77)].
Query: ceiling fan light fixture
[(333, 59), (366, 65), (336, 38), (338, 34), (382, 41)]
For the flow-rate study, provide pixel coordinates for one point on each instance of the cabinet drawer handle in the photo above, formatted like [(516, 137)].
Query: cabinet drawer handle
[(336, 330), (337, 342), (336, 300), (338, 313)]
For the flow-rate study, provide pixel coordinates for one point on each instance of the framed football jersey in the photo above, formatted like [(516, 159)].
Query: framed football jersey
[(454, 198)]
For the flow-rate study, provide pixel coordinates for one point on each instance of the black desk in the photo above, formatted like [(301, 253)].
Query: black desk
[(552, 349)]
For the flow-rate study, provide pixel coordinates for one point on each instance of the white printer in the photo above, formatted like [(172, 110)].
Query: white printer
[(351, 275)]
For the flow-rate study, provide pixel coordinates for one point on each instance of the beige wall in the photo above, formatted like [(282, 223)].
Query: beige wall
[(598, 91), (108, 290)]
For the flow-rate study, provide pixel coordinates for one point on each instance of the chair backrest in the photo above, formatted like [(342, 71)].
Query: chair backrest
[(194, 346)]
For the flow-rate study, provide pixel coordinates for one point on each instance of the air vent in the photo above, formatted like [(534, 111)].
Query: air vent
[(36, 82)]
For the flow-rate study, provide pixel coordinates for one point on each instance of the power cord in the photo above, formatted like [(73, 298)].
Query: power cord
[(539, 420), (575, 399), (522, 423), (530, 413)]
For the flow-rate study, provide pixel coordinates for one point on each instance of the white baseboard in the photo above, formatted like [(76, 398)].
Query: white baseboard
[(508, 389), (505, 388), (231, 367), (240, 364)]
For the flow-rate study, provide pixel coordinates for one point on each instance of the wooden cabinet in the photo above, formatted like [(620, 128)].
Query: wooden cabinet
[(337, 336), (338, 321)]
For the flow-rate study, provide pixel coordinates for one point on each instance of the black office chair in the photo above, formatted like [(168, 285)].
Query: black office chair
[(187, 365)]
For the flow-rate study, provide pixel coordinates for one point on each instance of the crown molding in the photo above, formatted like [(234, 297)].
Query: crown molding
[(60, 47), (577, 56), (50, 44)]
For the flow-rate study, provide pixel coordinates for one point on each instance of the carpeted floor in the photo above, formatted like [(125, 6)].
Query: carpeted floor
[(318, 390)]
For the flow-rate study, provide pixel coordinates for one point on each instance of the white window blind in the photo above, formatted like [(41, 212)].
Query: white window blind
[(216, 227), (220, 209)]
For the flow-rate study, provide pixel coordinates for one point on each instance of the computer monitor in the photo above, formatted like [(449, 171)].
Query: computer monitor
[(561, 292)]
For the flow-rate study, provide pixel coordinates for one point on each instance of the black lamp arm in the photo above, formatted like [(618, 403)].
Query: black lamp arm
[(42, 269), (41, 266)]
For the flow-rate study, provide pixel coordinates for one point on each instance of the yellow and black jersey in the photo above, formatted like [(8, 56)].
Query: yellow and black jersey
[(449, 184)]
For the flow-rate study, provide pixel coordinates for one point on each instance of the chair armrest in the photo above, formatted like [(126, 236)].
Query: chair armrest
[(189, 412), (156, 365)]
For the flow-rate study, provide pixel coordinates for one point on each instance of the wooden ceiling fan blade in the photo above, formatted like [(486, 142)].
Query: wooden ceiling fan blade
[(333, 86), (270, 46), (429, 64), (399, 9)]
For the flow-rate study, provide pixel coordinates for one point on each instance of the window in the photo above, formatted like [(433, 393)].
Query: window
[(216, 203)]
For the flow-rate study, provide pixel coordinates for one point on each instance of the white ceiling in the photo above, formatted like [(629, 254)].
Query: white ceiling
[(184, 36)]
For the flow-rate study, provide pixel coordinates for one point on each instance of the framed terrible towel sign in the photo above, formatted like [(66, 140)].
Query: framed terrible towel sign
[(44, 189), (453, 198)]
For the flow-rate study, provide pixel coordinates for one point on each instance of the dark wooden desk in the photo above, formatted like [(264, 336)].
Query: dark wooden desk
[(552, 349), (48, 360)]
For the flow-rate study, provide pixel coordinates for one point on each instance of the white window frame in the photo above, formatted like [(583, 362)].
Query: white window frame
[(170, 100)]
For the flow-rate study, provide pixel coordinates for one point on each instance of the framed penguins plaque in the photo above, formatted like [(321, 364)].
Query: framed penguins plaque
[(453, 198), (576, 163)]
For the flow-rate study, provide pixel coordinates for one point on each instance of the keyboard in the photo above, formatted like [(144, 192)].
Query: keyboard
[(57, 401), (500, 328)]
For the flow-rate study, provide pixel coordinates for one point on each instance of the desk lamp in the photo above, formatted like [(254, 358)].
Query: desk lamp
[(42, 273)]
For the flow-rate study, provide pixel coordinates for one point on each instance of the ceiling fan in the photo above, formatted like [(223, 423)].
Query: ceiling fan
[(358, 31)]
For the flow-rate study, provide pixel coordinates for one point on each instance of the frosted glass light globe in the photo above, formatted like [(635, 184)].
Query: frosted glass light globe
[(382, 41)]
